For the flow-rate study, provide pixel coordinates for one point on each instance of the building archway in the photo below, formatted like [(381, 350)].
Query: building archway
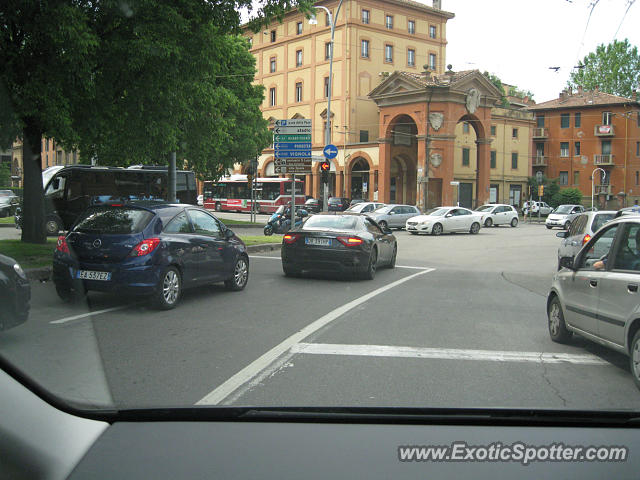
[(403, 150), (359, 174)]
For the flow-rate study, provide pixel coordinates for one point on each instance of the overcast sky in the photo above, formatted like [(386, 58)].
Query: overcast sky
[(518, 40)]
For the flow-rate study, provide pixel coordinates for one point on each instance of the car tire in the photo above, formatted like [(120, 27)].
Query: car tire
[(392, 262), (218, 207), (557, 327), (514, 222), (475, 228), (290, 272), (567, 225), (240, 275), (52, 226), (549, 227), (370, 273), (169, 289), (383, 224), (436, 229), (413, 233), (634, 358), (488, 222)]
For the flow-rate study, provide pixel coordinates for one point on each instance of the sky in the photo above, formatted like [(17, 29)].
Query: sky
[(518, 40)]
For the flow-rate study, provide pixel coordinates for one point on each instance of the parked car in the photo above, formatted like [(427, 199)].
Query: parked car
[(338, 243), (355, 201), (444, 220), (532, 208), (150, 249), (313, 205), (8, 203), (583, 227), (559, 217), (394, 216), (337, 204), (595, 294), (365, 207), (498, 214), (15, 293), (633, 210)]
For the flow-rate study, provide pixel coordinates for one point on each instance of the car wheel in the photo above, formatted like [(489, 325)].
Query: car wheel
[(240, 275), (52, 226), (488, 222), (218, 207), (475, 228), (169, 289), (514, 222), (370, 273), (634, 358), (413, 233), (436, 229), (557, 328), (392, 262), (382, 224), (549, 227), (567, 225), (290, 272)]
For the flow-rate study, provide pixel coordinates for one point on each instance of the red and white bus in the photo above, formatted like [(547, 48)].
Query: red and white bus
[(234, 194)]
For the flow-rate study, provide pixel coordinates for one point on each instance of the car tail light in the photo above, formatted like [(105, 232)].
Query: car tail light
[(586, 238), (145, 247), (62, 245), (350, 241), (290, 238)]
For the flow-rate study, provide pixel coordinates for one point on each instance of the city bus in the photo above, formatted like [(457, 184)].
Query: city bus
[(234, 194)]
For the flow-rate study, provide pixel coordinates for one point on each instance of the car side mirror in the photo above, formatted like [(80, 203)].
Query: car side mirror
[(228, 233), (563, 234), (392, 213), (567, 262), (448, 215)]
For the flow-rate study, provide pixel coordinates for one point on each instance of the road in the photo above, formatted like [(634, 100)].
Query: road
[(460, 322)]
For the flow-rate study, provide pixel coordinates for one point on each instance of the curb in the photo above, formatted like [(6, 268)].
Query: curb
[(266, 247), (240, 226), (7, 225)]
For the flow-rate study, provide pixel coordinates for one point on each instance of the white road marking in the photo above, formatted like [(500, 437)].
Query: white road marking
[(445, 353), (397, 266), (254, 368), (89, 314)]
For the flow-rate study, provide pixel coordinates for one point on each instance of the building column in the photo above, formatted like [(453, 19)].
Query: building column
[(384, 171), (339, 183), (482, 171), (347, 182)]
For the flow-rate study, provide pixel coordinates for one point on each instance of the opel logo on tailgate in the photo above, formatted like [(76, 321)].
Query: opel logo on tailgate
[(97, 243)]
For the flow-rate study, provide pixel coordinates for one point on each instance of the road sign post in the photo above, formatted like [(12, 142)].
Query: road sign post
[(292, 152)]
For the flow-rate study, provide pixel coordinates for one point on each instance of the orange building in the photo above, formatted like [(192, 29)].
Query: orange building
[(581, 131)]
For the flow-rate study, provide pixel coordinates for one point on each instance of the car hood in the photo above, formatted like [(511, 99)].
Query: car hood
[(557, 216), (424, 218)]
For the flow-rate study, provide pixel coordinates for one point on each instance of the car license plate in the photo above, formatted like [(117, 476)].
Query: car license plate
[(325, 242), (93, 275)]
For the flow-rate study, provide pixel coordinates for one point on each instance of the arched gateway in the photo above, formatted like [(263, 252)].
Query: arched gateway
[(405, 101)]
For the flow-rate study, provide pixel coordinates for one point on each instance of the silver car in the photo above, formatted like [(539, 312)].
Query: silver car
[(596, 293), (583, 227), (365, 207), (560, 216), (394, 216)]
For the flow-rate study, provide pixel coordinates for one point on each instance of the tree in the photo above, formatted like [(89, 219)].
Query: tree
[(570, 196), (513, 91), (5, 174), (551, 188), (613, 68)]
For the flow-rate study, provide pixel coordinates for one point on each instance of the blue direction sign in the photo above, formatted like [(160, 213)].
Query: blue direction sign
[(292, 138), (291, 146), (293, 153), (330, 151)]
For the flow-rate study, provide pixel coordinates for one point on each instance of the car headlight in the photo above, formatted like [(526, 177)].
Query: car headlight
[(19, 271)]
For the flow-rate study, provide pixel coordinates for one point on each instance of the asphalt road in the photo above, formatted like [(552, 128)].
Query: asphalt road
[(460, 322)]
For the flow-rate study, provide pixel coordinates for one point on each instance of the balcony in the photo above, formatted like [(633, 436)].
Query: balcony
[(540, 161), (603, 131), (603, 160), (603, 189), (540, 133)]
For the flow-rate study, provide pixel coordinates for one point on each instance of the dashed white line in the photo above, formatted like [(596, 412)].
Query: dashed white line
[(89, 314)]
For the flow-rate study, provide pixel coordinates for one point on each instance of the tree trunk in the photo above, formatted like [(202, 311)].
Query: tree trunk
[(33, 196)]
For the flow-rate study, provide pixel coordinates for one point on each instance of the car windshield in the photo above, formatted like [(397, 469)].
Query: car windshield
[(436, 113)]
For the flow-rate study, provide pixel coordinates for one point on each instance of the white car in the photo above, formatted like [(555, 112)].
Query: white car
[(534, 207), (498, 214), (445, 219), (559, 217)]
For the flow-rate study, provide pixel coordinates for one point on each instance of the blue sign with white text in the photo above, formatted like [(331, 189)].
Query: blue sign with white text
[(330, 151)]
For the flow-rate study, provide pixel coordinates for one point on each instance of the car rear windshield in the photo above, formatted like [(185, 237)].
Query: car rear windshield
[(113, 220), (600, 219), (335, 200), (338, 222)]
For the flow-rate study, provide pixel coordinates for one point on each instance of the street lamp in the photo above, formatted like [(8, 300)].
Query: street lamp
[(592, 185), (327, 133)]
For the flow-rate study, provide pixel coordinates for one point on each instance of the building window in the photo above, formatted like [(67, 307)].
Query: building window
[(327, 50), (432, 31), (606, 118), (564, 178), (411, 26), (465, 127), (514, 160), (272, 64), (493, 159), (365, 49), (637, 177), (465, 157), (388, 53), (576, 178), (299, 28), (411, 57), (564, 120), (539, 149), (326, 87), (299, 92), (364, 136), (564, 149), (273, 36), (540, 121), (577, 119), (493, 130), (432, 61), (298, 58), (389, 22), (576, 149), (365, 16), (514, 133), (272, 96)]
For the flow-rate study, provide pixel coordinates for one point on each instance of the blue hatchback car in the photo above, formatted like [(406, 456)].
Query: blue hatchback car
[(148, 248)]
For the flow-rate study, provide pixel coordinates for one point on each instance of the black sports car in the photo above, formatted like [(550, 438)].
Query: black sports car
[(15, 293), (338, 243)]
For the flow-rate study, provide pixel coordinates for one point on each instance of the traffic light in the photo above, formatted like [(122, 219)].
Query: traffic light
[(540, 190), (324, 168)]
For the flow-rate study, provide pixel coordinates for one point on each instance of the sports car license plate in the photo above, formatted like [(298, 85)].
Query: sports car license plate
[(93, 275), (325, 242)]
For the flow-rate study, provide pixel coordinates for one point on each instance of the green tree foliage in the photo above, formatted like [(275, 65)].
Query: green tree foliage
[(570, 196), (513, 91), (5, 175), (613, 68), (551, 188)]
